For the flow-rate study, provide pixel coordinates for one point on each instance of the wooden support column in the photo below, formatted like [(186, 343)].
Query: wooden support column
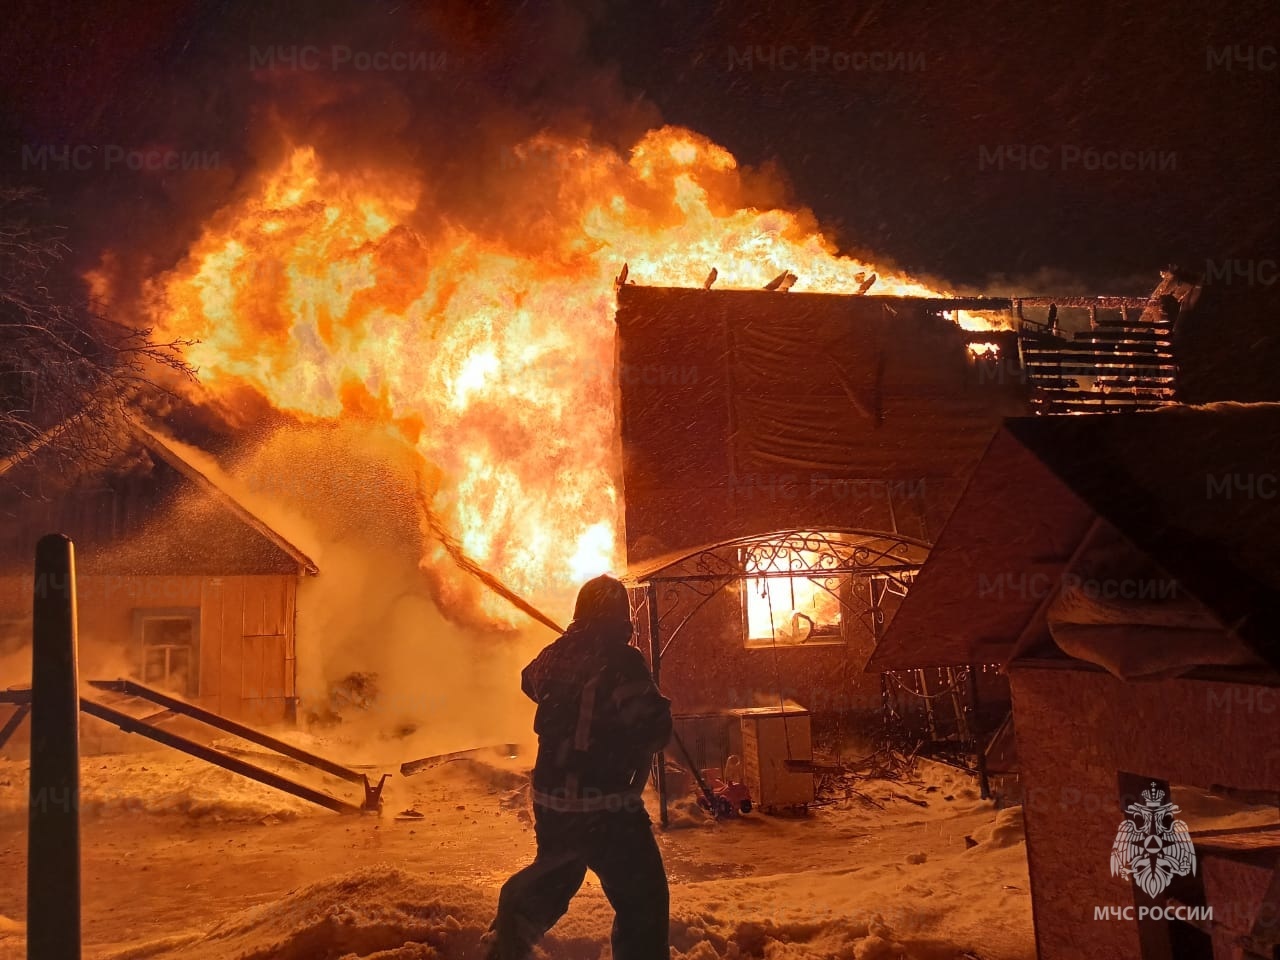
[(53, 841), (980, 748)]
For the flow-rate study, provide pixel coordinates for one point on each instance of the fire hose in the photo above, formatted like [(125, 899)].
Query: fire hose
[(455, 551)]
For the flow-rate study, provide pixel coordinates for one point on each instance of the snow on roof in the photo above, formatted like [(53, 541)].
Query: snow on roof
[(209, 476), (1195, 488), (193, 537)]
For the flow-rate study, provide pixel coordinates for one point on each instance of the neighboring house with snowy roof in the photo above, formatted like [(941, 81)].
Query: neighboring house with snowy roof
[(1125, 571), (179, 585)]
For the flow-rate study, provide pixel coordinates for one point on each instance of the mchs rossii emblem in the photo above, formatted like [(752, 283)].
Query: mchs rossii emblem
[(1153, 847)]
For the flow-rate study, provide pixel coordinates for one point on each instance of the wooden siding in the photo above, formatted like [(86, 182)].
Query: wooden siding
[(246, 633)]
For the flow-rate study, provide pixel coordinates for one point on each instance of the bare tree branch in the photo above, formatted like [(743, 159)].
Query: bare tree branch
[(68, 374)]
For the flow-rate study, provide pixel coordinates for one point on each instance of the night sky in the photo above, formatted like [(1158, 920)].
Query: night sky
[(898, 159)]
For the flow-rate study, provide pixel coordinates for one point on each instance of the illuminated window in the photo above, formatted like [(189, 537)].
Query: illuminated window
[(170, 650), (791, 609)]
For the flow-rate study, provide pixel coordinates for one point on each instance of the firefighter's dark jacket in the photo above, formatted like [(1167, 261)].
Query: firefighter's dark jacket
[(600, 719)]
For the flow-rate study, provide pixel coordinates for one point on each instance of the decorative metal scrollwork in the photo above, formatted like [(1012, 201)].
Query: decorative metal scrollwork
[(828, 559), (796, 553)]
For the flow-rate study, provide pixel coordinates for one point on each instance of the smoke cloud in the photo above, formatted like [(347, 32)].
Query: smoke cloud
[(376, 657)]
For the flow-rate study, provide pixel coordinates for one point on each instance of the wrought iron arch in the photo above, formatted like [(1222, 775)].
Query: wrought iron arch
[(825, 557)]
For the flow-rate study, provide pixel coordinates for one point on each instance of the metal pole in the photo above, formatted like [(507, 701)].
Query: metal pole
[(53, 842), (655, 657), (886, 709)]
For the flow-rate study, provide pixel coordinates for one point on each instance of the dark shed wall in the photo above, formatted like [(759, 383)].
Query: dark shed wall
[(1076, 731)]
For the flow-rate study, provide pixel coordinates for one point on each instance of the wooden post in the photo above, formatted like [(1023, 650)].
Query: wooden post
[(980, 748), (53, 841), (655, 658)]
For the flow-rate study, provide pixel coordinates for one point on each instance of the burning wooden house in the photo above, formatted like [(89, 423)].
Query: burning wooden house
[(762, 431), (1123, 571), (790, 459), (180, 586)]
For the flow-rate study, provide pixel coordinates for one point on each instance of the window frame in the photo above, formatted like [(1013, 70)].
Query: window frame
[(141, 616), (838, 636)]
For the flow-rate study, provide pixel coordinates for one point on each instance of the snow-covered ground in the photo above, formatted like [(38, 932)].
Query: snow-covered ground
[(184, 860)]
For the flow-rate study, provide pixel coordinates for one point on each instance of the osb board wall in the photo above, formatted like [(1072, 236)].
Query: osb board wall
[(1076, 730), (745, 412), (246, 645)]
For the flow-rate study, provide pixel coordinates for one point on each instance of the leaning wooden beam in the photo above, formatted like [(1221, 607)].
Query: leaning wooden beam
[(11, 725), (410, 767), (465, 563), (134, 689), (200, 751), (1105, 303)]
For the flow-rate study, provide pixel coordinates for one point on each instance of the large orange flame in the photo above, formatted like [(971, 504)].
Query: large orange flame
[(492, 353)]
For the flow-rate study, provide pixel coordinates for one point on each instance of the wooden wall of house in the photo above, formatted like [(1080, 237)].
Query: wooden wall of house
[(1076, 731), (246, 633)]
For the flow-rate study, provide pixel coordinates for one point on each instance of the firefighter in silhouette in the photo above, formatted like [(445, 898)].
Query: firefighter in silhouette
[(599, 721)]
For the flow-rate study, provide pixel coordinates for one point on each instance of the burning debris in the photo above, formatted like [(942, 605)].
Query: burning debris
[(782, 282)]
